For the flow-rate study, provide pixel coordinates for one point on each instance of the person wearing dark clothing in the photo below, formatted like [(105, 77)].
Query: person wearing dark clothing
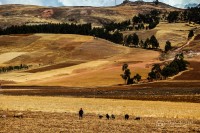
[(81, 113)]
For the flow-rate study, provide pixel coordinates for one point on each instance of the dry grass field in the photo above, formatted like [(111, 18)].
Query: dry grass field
[(47, 122), (101, 106), (176, 33), (59, 114)]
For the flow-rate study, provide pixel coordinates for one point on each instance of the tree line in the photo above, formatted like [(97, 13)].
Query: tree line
[(151, 18), (12, 68), (82, 29), (189, 15), (119, 26), (133, 39)]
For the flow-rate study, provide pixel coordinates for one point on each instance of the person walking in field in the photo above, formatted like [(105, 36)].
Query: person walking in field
[(81, 113)]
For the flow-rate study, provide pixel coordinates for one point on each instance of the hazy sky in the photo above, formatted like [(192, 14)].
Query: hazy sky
[(87, 2)]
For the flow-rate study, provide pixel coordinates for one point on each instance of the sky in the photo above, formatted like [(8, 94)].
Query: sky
[(178, 3)]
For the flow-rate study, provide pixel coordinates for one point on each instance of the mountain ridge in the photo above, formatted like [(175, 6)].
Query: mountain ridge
[(31, 14)]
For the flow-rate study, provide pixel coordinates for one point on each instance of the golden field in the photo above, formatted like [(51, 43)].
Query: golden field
[(101, 106), (59, 114)]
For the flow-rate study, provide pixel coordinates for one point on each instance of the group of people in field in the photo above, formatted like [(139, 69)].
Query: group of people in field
[(126, 117)]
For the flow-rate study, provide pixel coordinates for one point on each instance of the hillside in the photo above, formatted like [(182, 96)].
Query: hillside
[(56, 59), (27, 14), (82, 61), (50, 48)]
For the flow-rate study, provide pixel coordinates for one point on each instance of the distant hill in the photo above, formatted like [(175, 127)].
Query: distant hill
[(140, 3), (31, 15), (190, 5)]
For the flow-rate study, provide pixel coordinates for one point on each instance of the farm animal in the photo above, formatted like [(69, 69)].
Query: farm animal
[(126, 116), (107, 116), (100, 116), (113, 116), (137, 118)]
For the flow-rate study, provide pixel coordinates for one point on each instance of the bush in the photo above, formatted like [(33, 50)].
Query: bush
[(191, 34), (168, 71), (137, 77), (168, 46)]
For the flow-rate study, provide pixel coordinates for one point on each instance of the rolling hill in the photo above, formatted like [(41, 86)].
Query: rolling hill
[(28, 14), (55, 59), (76, 60)]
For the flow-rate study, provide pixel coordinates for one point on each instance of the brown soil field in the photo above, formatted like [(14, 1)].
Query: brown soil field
[(197, 37), (159, 91), (182, 88), (65, 122), (193, 74)]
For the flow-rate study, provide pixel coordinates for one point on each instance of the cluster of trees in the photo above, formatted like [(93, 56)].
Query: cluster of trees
[(173, 16), (133, 39), (127, 75), (173, 68), (82, 29), (119, 26), (151, 43), (115, 37), (141, 27), (12, 68), (189, 15), (157, 73), (192, 14), (152, 19)]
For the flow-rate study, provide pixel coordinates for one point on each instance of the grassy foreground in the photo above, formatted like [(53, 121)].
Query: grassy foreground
[(69, 123), (59, 115)]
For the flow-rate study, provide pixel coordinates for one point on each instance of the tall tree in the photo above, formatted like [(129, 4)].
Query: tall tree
[(155, 72), (129, 39), (168, 46), (146, 43), (127, 73), (135, 39), (156, 2), (154, 42)]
